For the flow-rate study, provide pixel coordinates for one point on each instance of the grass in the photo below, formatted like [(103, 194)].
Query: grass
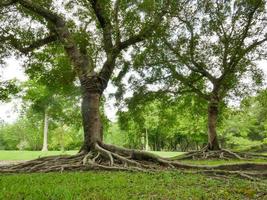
[(220, 162), (167, 154), (101, 185), (126, 185), (29, 155)]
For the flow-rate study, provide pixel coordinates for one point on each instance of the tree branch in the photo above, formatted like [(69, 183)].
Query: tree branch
[(7, 3), (48, 15), (80, 61), (116, 21), (145, 32), (243, 36), (104, 22), (185, 81), (198, 68), (34, 45)]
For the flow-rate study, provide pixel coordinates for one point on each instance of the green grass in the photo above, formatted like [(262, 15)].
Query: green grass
[(126, 185), (29, 155), (167, 154), (220, 162), (123, 185)]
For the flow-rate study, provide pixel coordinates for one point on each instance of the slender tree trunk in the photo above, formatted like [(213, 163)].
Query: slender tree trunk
[(213, 143), (45, 136), (147, 146), (91, 119)]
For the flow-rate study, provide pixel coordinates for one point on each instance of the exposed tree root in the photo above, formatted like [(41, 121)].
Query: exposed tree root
[(109, 157), (224, 154)]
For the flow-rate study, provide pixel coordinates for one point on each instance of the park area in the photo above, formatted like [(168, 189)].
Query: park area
[(144, 99), (170, 184)]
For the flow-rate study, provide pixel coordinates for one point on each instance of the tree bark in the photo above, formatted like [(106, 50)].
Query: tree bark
[(91, 118), (213, 143), (146, 141), (45, 136)]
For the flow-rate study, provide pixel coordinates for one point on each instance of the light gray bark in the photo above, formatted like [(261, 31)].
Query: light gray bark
[(45, 136), (147, 146)]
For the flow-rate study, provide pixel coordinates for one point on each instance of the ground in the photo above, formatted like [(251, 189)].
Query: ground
[(125, 185)]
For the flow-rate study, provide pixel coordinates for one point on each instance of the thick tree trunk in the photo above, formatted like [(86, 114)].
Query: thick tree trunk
[(213, 143), (45, 136), (91, 120)]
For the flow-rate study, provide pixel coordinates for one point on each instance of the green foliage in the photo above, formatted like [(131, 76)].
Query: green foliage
[(23, 134), (245, 128), (65, 138), (7, 89), (177, 124), (114, 135), (27, 134)]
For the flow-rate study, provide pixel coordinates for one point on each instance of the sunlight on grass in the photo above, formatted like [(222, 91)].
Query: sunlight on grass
[(167, 154), (29, 155)]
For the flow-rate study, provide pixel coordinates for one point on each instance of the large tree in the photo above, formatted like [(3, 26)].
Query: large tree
[(208, 48), (93, 34), (93, 41)]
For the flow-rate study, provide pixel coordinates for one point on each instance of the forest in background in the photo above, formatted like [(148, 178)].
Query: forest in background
[(162, 124)]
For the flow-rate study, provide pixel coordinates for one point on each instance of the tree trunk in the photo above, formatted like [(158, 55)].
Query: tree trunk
[(213, 143), (146, 141), (45, 148), (91, 119)]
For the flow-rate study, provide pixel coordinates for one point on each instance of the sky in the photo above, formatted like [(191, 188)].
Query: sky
[(13, 69)]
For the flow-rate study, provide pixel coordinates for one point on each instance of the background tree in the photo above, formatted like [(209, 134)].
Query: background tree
[(208, 48), (50, 87), (245, 128)]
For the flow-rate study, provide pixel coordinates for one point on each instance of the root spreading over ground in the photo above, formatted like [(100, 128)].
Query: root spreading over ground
[(109, 157), (218, 154)]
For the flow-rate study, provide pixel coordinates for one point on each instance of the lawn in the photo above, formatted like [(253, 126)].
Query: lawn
[(29, 155), (126, 185), (100, 185)]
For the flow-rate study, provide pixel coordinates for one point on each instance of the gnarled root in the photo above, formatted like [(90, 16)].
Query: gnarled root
[(224, 154), (109, 157)]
